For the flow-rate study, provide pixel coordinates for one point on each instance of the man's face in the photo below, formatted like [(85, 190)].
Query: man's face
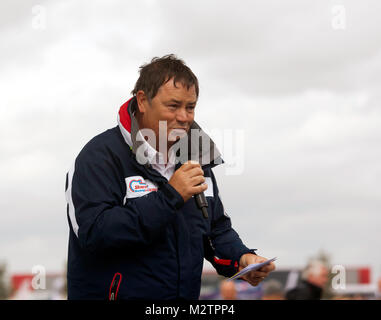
[(228, 290), (320, 279), (175, 105)]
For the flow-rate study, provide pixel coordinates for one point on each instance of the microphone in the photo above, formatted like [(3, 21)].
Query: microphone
[(202, 203)]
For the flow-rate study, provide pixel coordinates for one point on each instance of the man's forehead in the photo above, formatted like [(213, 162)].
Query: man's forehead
[(179, 93)]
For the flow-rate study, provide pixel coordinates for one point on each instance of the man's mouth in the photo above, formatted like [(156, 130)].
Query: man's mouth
[(177, 133)]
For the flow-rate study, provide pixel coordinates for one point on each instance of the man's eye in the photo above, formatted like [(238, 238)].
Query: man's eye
[(191, 108)]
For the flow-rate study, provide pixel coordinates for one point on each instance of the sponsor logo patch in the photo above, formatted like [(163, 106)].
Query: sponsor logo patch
[(137, 186)]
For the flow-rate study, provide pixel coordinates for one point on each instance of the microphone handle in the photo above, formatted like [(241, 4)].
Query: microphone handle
[(202, 203)]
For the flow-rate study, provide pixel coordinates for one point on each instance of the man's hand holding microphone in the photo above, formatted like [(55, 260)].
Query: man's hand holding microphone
[(189, 180)]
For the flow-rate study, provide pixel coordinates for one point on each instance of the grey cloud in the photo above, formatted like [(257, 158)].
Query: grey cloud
[(279, 48)]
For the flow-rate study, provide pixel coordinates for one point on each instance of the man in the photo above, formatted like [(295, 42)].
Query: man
[(314, 278), (228, 291), (272, 290), (136, 231)]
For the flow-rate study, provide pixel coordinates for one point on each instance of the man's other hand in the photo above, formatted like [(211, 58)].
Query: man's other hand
[(188, 180), (255, 277)]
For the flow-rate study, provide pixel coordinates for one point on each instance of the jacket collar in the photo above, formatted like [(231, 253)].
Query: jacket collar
[(207, 153)]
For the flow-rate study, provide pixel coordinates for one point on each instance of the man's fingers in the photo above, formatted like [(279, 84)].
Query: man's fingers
[(195, 172), (258, 274), (268, 268), (255, 277), (190, 165), (200, 188), (197, 180), (254, 282)]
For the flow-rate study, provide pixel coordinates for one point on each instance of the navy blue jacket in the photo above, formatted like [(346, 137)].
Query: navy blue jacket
[(131, 234)]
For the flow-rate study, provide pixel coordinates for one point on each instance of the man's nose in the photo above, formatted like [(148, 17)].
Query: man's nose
[(181, 115)]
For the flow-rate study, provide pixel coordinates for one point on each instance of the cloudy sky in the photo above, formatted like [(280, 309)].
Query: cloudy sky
[(299, 80)]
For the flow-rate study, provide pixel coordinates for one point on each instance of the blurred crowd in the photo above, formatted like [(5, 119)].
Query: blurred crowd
[(313, 285)]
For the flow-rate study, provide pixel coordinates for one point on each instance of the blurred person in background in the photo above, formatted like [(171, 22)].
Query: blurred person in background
[(228, 290), (272, 290), (314, 278)]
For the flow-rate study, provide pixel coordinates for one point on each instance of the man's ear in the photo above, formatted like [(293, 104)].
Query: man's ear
[(142, 101)]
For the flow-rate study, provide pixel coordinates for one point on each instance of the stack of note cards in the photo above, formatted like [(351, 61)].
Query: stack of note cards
[(251, 267)]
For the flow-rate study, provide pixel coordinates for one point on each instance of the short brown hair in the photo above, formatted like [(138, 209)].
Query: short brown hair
[(159, 71)]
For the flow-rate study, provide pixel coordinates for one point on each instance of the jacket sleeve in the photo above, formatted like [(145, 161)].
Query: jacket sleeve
[(223, 247), (95, 192)]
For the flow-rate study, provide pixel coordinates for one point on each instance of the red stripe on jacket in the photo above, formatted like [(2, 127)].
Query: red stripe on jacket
[(124, 116)]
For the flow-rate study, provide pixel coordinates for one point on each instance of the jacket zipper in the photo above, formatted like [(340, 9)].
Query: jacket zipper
[(114, 287)]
